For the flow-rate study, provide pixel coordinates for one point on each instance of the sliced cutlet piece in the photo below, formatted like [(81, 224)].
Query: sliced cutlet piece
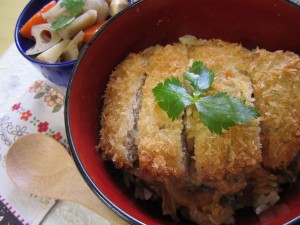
[(160, 147), (221, 161), (121, 109), (276, 83)]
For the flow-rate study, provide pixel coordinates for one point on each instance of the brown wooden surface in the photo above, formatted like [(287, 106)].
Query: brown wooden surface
[(9, 13)]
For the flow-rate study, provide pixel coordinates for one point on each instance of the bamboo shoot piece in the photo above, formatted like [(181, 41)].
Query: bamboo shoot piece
[(117, 6), (53, 54), (82, 22), (100, 6), (72, 50)]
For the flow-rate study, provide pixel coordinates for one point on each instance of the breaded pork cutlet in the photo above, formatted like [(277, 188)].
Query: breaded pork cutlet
[(122, 104), (138, 136), (223, 160), (276, 83), (161, 151)]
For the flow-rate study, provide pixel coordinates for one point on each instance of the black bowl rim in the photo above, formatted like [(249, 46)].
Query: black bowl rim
[(294, 3), (125, 216)]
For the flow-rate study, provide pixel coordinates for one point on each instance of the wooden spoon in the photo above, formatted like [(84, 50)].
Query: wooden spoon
[(40, 165)]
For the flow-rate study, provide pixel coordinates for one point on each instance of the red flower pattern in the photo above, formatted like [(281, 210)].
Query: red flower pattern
[(16, 107), (26, 115), (57, 136), (53, 99), (43, 126)]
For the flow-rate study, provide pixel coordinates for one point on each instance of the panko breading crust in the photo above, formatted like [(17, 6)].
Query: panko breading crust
[(159, 142), (118, 116), (220, 157), (276, 81)]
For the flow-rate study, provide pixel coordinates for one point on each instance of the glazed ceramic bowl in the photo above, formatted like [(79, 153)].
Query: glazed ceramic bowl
[(269, 24), (58, 73)]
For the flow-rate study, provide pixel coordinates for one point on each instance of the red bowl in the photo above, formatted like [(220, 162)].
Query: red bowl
[(269, 24)]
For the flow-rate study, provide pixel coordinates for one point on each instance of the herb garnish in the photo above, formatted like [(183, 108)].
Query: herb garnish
[(74, 7), (61, 22), (217, 112)]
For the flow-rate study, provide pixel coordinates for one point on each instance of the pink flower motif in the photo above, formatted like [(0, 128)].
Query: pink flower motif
[(26, 115), (57, 136), (16, 107), (37, 86), (43, 126), (53, 98)]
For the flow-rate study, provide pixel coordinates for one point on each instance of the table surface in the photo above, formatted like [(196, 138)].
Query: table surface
[(64, 213), (9, 13)]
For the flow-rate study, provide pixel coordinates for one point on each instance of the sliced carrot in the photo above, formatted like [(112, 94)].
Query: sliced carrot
[(89, 32), (36, 19)]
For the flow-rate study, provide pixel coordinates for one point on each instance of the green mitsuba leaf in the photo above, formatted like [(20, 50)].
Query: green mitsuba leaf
[(172, 97), (217, 112), (199, 78), (61, 22), (222, 111), (75, 7)]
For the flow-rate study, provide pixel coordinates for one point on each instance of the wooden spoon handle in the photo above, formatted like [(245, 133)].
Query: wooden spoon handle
[(83, 195)]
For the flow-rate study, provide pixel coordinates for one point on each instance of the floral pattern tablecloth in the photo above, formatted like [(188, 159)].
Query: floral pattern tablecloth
[(31, 104), (40, 110)]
